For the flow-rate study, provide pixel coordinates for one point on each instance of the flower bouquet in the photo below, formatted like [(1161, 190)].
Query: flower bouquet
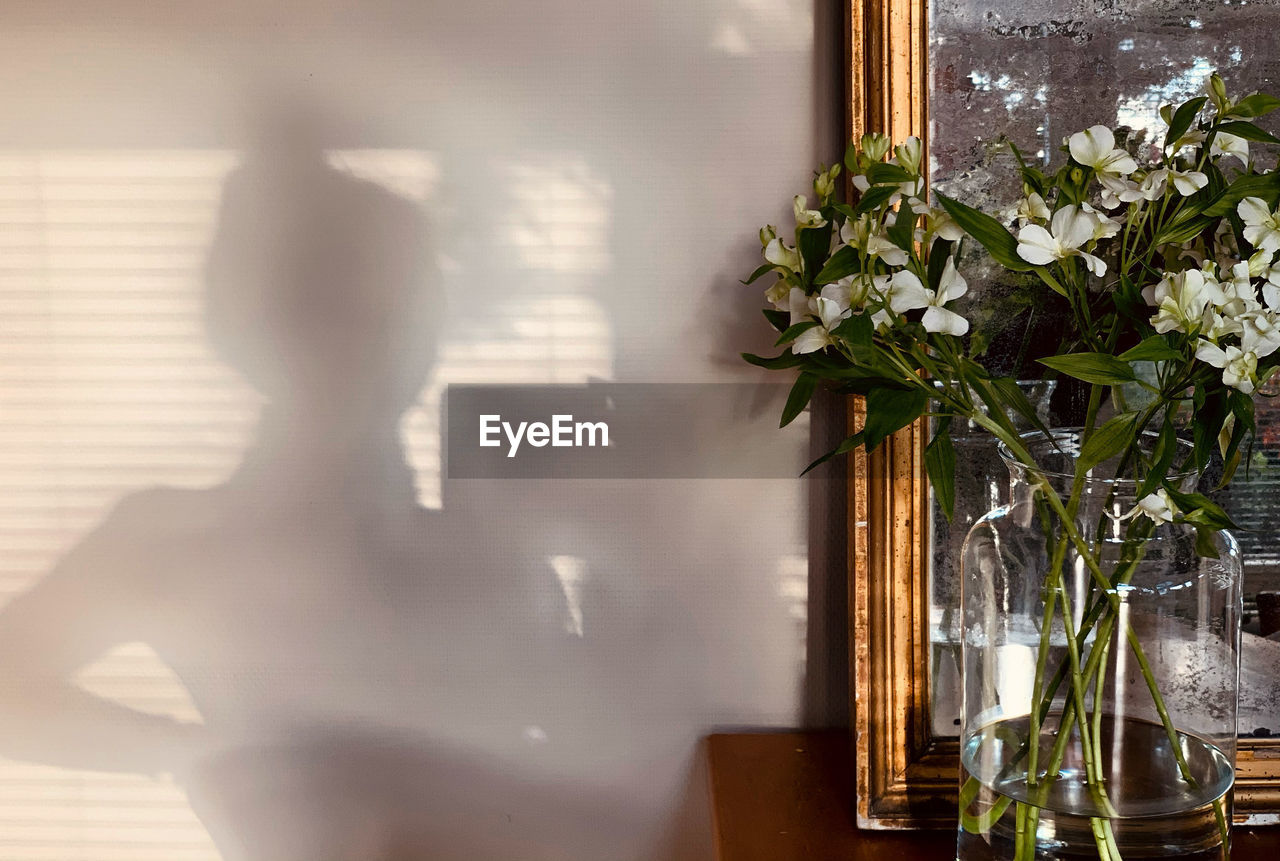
[(1101, 606)]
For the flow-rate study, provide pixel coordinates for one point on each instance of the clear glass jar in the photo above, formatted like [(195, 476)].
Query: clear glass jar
[(1101, 666), (981, 484)]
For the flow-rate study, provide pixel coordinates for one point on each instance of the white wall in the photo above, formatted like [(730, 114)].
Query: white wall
[(233, 624)]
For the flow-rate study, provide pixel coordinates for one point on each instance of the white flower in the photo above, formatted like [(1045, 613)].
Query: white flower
[(806, 217), (779, 253), (1261, 230), (1261, 335), (900, 292), (1239, 368), (860, 182), (941, 224), (1032, 208), (1188, 182), (936, 318), (1180, 299), (1190, 138), (1070, 228), (1153, 184), (830, 313), (777, 295), (1095, 147), (852, 290), (1118, 190), (1230, 145), (797, 305), (1157, 506), (1104, 227), (862, 235), (879, 245)]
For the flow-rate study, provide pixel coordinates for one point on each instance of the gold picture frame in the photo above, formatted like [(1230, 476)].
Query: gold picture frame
[(905, 777)]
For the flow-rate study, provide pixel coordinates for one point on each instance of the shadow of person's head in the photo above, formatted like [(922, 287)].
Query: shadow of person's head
[(319, 284)]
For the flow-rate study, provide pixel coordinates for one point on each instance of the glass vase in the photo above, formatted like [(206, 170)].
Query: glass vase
[(1100, 654)]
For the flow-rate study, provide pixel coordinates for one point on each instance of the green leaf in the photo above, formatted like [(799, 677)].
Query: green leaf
[(1161, 457), (940, 464), (1257, 105), (1205, 546), (845, 262), (777, 363), (991, 234), (1032, 177), (1248, 131), (779, 320), (883, 172), (1153, 349), (844, 209), (1265, 186), (890, 410), (1210, 413), (1183, 119), (1098, 368), (799, 397), (902, 233), (1106, 442), (851, 157), (1186, 225), (939, 254), (792, 332), (856, 331), (762, 270), (1198, 509), (1016, 399), (874, 198), (849, 444), (813, 243)]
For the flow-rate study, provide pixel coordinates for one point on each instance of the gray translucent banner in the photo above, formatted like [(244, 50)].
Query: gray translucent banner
[(622, 430)]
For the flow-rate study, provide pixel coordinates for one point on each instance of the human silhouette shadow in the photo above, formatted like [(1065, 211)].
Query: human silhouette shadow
[(362, 695)]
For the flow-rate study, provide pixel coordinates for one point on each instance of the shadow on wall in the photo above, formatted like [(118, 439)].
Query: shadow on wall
[(350, 675)]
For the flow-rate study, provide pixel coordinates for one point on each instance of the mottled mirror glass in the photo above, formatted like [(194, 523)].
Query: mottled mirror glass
[(1032, 72)]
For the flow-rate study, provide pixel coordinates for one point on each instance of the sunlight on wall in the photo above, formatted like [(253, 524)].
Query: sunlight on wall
[(107, 385)]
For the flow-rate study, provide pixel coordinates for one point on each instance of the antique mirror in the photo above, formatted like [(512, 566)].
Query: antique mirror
[(968, 75)]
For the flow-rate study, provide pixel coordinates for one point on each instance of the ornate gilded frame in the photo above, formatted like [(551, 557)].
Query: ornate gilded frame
[(904, 776)]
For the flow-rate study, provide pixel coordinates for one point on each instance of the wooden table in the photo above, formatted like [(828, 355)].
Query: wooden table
[(789, 795)]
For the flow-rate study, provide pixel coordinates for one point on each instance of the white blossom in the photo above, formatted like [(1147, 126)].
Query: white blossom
[(1157, 506), (900, 292), (779, 253), (942, 225), (1032, 208), (1261, 333), (1262, 229), (1180, 299), (1118, 190), (936, 318), (1230, 145), (1095, 147), (1187, 182), (1239, 368), (1070, 228), (806, 217)]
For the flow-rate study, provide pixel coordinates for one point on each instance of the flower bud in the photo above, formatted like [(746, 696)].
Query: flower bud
[(909, 153), (875, 145), (1218, 93)]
